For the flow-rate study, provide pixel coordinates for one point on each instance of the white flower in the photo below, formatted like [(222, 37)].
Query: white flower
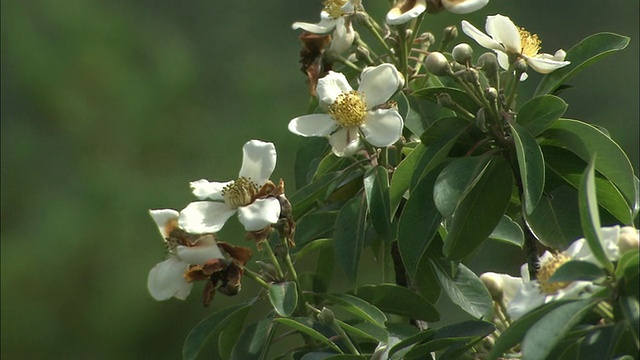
[(353, 111), (236, 196), (530, 294), (463, 6), (166, 278), (510, 43), (334, 16), (405, 11)]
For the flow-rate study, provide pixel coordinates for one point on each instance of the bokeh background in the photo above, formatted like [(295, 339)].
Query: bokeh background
[(110, 108)]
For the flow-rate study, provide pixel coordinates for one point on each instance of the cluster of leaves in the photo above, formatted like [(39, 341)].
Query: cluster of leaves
[(426, 206)]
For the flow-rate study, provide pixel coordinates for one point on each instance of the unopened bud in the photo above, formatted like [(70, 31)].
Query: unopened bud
[(437, 64), (471, 75), (488, 63), (408, 33), (462, 53), (493, 282), (450, 33), (363, 54), (426, 39), (628, 239), (491, 94), (445, 100), (326, 317)]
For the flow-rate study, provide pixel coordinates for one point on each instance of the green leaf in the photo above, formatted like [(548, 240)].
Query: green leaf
[(479, 210), (531, 165), (366, 331), (538, 113), (569, 167), (398, 300), (611, 161), (314, 226), (402, 177), (436, 153), (556, 221), (358, 307), (427, 282), (308, 197), (444, 126), (211, 326), (412, 340), (253, 341), (284, 298), (589, 216), (462, 98), (418, 224), (313, 246), (457, 177), (309, 153), (600, 342), (230, 334), (627, 265), (376, 188), (464, 288), (584, 54), (508, 231), (552, 328), (518, 329), (631, 311), (464, 333), (292, 323), (577, 270), (349, 236)]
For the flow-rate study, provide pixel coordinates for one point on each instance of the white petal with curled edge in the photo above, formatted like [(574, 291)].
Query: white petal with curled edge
[(378, 84), (165, 280), (323, 27), (345, 141), (258, 161), (397, 16), (505, 32), (200, 217), (383, 127), (343, 37), (203, 189), (331, 86), (544, 63), (162, 217), (313, 125), (203, 250), (528, 298), (259, 214), (510, 286), (464, 6), (481, 38)]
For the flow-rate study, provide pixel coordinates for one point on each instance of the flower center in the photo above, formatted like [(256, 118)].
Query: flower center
[(349, 109), (545, 272), (334, 7), (239, 193), (529, 43)]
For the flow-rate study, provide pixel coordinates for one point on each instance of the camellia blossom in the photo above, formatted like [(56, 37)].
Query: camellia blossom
[(510, 43), (530, 294), (166, 279), (353, 111), (239, 196), (405, 11), (334, 16)]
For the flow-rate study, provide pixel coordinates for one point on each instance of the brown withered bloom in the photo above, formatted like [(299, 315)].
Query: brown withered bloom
[(312, 59), (286, 225)]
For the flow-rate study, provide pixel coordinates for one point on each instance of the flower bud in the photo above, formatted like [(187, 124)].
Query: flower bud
[(628, 239), (491, 94), (326, 317), (437, 64), (488, 63), (445, 100), (363, 54), (426, 39), (462, 53), (493, 282), (471, 75), (450, 33)]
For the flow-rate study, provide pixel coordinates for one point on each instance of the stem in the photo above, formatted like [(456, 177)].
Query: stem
[(352, 348), (274, 260), (371, 26), (255, 277)]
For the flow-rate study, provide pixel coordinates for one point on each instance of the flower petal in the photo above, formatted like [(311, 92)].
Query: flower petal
[(378, 84), (481, 38), (544, 63), (323, 27), (331, 86), (406, 11), (200, 217), (259, 214), (165, 280), (164, 217), (203, 189), (463, 6), (528, 298), (313, 125), (343, 37), (505, 32), (383, 127), (258, 161), (345, 141), (204, 249)]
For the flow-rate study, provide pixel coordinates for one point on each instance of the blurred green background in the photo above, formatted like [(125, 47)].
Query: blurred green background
[(110, 108)]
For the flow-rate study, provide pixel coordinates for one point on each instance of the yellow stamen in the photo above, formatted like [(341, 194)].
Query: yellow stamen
[(547, 269), (334, 7), (529, 43), (349, 109), (240, 193)]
